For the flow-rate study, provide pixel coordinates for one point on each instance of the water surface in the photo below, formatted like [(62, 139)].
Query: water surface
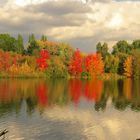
[(70, 109)]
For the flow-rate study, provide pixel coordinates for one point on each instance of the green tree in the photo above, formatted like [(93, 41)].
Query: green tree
[(102, 49), (136, 44), (99, 47), (20, 48), (122, 47), (136, 63), (43, 38), (65, 51), (111, 64), (122, 58), (8, 43), (33, 47)]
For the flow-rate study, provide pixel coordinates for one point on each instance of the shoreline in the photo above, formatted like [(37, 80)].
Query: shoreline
[(105, 76)]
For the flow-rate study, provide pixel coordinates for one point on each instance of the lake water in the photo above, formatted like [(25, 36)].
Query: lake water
[(34, 109)]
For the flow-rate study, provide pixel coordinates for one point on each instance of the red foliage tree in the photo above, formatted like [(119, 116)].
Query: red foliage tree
[(75, 67), (42, 60)]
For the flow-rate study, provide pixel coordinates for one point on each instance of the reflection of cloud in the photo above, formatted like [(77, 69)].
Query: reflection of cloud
[(74, 123), (112, 124)]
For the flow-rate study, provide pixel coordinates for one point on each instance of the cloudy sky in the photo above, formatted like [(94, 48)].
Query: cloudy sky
[(75, 21)]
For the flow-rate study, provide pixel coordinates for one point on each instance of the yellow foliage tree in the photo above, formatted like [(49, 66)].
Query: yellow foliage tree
[(23, 69), (128, 66)]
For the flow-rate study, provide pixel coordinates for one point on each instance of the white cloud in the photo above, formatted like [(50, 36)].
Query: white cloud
[(116, 21), (103, 20), (23, 3)]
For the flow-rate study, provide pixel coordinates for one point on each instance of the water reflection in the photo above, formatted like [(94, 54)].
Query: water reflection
[(42, 94)]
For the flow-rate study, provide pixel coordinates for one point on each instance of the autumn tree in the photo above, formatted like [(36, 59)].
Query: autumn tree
[(56, 68), (94, 64), (76, 63), (42, 60), (6, 61), (128, 67)]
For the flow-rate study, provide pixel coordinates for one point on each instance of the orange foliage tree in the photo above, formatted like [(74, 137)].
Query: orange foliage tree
[(76, 63), (94, 64), (128, 66), (7, 59)]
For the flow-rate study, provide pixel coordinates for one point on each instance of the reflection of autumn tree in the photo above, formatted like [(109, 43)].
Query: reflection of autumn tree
[(39, 93), (93, 90), (4, 96), (135, 103), (120, 101), (118, 91), (13, 106), (58, 92), (112, 88), (31, 104), (75, 88), (110, 91), (42, 92), (14, 92), (123, 93), (101, 105), (8, 98), (127, 89)]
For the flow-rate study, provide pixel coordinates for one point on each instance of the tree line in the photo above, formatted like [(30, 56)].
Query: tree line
[(123, 59), (44, 58)]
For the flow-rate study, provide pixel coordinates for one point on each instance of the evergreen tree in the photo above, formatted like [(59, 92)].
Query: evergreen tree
[(32, 45), (20, 48), (43, 38)]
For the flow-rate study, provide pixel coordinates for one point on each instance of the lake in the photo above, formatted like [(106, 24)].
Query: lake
[(37, 109)]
